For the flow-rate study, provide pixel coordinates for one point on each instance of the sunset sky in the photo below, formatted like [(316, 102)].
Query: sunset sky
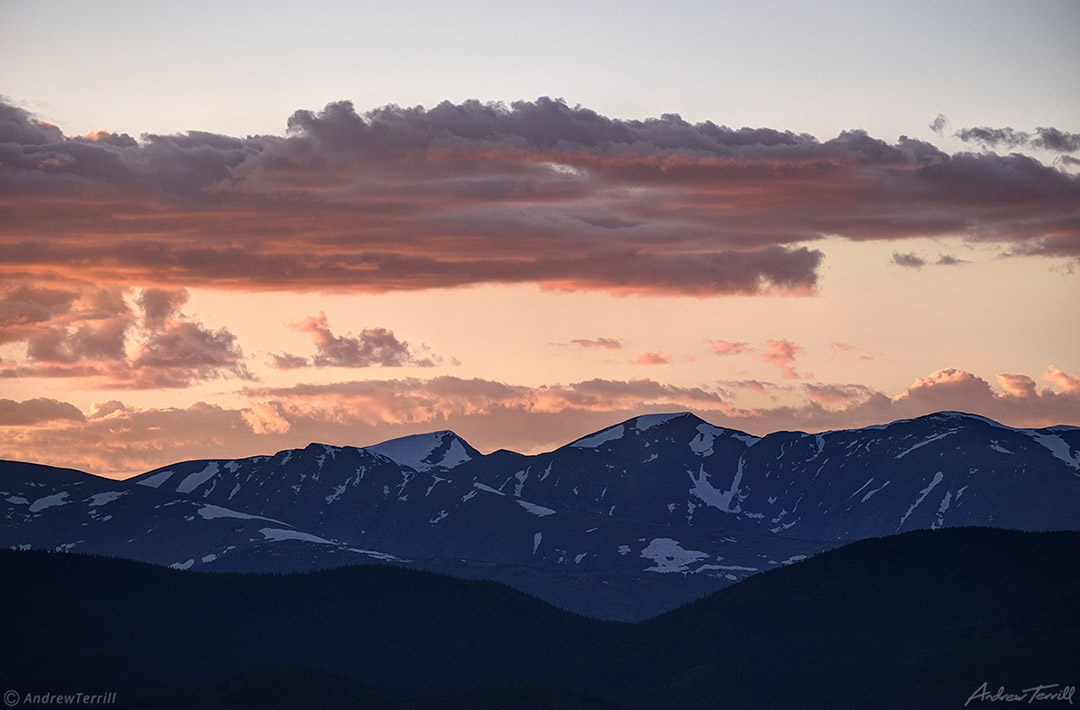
[(229, 230)]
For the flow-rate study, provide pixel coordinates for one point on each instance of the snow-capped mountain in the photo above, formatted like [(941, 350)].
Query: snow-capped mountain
[(623, 523)]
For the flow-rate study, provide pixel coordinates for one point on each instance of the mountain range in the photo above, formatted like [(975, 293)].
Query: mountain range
[(621, 524)]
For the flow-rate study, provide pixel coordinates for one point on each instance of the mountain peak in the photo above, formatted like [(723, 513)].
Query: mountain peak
[(422, 452)]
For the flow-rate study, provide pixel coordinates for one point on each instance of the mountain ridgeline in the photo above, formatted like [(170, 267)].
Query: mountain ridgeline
[(622, 524)]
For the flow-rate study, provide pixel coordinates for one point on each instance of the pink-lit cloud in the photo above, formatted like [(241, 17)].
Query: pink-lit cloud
[(653, 358), (374, 346), (782, 354), (836, 348), (85, 333), (537, 191), (724, 347), (37, 411)]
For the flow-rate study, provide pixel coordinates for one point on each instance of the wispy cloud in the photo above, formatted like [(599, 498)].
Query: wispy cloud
[(601, 343)]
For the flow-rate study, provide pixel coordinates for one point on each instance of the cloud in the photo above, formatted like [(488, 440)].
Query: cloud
[(374, 346), (782, 354), (24, 306), (159, 305), (85, 333), (831, 395), (1070, 384), (182, 353), (35, 411), (656, 358), (598, 343), (531, 192), (836, 348), (1019, 386), (909, 261), (939, 124), (265, 418), (1050, 139), (753, 385), (724, 347)]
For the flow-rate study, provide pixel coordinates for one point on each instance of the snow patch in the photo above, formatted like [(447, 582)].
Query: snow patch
[(938, 478), (106, 497), (669, 556), (197, 479), (579, 558), (713, 497), (277, 535), (623, 549), (870, 493), (419, 450), (156, 480), (702, 444), (941, 511), (537, 510), (648, 421), (489, 489), (1058, 447), (183, 565), (210, 512), (536, 541), (928, 440), (48, 502), (442, 514), (337, 493), (591, 442), (436, 481), (856, 492)]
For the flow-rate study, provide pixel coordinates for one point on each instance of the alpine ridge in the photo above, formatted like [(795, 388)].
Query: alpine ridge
[(622, 523)]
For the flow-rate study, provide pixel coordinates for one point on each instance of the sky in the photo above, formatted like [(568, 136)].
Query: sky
[(228, 229)]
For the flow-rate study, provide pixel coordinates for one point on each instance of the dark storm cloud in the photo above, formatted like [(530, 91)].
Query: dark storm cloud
[(535, 191)]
